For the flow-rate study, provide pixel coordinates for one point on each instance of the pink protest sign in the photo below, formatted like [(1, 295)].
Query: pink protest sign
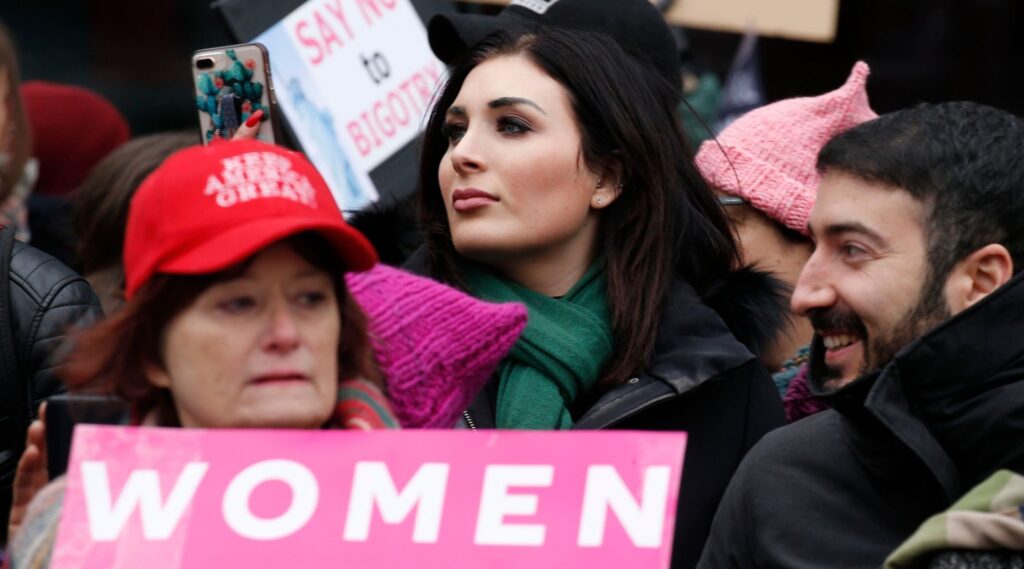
[(169, 498)]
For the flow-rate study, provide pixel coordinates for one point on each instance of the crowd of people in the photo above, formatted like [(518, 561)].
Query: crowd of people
[(822, 298)]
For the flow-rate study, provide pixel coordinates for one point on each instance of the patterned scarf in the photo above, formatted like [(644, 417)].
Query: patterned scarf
[(790, 369), (362, 406)]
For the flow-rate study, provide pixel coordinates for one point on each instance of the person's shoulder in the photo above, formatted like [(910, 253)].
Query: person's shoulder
[(693, 344), (38, 272), (814, 439), (797, 481), (792, 465)]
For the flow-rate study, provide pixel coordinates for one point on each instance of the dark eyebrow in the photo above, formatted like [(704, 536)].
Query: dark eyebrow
[(512, 101), (837, 229)]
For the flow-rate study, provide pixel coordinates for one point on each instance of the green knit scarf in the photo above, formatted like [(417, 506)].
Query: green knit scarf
[(560, 354)]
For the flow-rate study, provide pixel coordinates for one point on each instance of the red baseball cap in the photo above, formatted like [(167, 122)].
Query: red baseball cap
[(207, 208)]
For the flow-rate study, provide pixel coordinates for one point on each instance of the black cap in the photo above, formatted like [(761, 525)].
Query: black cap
[(636, 25)]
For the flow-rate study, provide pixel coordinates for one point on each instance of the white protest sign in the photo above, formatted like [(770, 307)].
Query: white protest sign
[(355, 79)]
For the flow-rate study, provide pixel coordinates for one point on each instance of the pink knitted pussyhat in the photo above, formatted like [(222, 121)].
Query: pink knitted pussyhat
[(435, 345), (774, 149)]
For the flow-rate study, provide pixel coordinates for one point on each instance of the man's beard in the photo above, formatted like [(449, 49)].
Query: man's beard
[(930, 310), (836, 318)]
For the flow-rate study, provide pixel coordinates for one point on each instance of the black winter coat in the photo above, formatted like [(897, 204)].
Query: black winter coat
[(845, 487), (700, 380), (46, 300)]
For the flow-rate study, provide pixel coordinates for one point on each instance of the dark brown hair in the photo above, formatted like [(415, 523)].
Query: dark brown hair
[(21, 144), (665, 223), (962, 160), (111, 357), (100, 206)]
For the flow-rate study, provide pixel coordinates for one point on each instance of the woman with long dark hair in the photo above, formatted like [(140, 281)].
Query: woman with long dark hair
[(554, 173)]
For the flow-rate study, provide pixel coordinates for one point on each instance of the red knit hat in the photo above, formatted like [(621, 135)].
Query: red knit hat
[(770, 154), (72, 130), (207, 208)]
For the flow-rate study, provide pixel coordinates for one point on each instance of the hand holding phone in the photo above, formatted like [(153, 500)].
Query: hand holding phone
[(64, 411), (250, 129), (233, 84)]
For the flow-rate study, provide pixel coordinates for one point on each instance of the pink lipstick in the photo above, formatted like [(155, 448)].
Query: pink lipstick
[(470, 199)]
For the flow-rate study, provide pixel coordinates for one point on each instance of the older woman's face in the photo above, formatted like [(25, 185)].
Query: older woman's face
[(514, 181), (259, 350)]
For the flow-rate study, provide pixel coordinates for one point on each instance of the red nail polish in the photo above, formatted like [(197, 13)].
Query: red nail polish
[(254, 119)]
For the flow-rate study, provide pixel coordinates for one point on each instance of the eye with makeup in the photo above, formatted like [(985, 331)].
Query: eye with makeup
[(504, 125), (512, 126), (453, 131)]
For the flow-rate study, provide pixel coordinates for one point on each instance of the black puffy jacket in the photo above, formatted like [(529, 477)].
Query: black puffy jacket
[(46, 300)]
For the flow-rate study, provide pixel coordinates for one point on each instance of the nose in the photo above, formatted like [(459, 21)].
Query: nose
[(282, 332), (467, 155), (813, 288)]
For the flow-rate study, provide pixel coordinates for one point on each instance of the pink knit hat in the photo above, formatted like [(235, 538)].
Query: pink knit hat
[(774, 149), (436, 346)]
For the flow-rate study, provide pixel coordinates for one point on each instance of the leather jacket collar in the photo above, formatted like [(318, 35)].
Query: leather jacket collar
[(692, 346)]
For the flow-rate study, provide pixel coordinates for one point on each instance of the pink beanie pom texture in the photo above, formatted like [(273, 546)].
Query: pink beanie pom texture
[(436, 346), (774, 149)]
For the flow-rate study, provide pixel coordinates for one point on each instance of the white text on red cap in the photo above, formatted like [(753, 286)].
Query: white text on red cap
[(259, 175)]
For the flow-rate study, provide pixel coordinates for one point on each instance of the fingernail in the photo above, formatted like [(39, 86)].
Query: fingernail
[(254, 119)]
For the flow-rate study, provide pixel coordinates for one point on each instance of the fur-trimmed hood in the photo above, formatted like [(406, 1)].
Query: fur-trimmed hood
[(754, 304), (391, 227)]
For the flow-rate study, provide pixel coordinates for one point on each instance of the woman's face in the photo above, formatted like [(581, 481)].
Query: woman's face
[(514, 181), (258, 350)]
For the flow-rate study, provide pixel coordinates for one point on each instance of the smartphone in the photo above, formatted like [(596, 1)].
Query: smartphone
[(64, 411), (231, 83)]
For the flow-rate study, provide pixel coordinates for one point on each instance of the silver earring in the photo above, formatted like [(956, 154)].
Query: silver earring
[(600, 182), (599, 201)]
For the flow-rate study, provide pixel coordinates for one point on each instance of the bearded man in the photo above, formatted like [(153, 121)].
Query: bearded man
[(919, 241)]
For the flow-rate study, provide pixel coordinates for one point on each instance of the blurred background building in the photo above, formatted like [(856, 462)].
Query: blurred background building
[(137, 53)]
